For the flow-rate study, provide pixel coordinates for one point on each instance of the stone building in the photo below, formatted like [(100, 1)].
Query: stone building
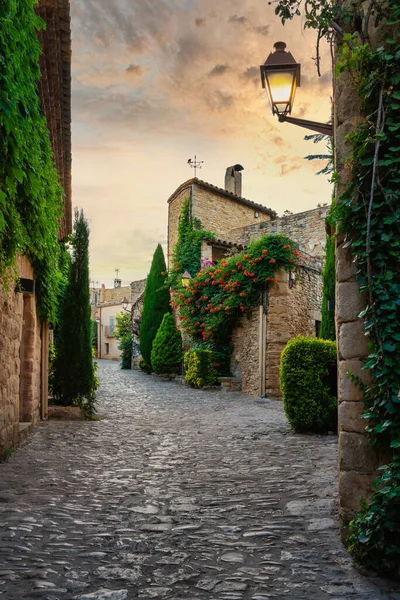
[(24, 339), (292, 305), (108, 303)]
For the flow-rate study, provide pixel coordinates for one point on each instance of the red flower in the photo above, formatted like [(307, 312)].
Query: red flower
[(264, 251), (292, 260), (268, 279), (287, 246), (274, 280), (272, 260)]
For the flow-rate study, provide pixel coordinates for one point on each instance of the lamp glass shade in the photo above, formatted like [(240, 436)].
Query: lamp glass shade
[(280, 76), (281, 88), (186, 277)]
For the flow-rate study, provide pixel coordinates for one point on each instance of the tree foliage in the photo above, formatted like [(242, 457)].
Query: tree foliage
[(123, 333), (74, 380), (30, 194), (166, 352), (155, 303)]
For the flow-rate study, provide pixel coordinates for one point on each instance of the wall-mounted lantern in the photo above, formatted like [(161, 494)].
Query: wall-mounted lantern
[(186, 277), (280, 76), (125, 303)]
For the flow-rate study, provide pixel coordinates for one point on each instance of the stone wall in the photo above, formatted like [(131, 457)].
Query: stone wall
[(220, 214), (11, 317), (307, 229), (116, 294), (358, 462), (245, 356), (291, 311), (218, 210), (20, 359)]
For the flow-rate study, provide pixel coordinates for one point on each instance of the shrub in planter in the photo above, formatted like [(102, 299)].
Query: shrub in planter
[(144, 366), (199, 368), (166, 352), (308, 378)]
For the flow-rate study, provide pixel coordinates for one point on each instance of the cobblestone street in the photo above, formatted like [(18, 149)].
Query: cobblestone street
[(175, 493)]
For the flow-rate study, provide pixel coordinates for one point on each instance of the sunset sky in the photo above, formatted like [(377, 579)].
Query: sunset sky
[(157, 81)]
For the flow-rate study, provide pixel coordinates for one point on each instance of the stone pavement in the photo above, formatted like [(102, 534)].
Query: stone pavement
[(176, 493)]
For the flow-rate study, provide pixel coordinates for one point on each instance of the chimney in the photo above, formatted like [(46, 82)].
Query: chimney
[(117, 283), (233, 180)]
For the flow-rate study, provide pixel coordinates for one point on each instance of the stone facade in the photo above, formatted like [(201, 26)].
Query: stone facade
[(306, 229), (20, 361), (290, 311), (358, 461), (218, 210)]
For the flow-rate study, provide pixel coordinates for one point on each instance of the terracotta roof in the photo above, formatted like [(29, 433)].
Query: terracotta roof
[(225, 193), (55, 92)]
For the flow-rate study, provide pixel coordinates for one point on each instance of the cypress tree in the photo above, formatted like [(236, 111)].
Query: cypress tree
[(155, 304), (328, 331), (166, 353), (74, 380)]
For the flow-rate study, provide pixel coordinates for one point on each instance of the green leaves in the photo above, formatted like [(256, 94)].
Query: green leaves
[(31, 198)]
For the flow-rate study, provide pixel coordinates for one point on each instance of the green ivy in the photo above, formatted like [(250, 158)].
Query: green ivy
[(369, 214), (328, 331), (31, 197), (187, 252)]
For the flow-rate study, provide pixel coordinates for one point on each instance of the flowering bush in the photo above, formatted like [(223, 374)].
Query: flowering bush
[(211, 306)]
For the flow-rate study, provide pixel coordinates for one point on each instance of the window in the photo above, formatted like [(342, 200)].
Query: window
[(107, 348), (317, 328), (111, 324)]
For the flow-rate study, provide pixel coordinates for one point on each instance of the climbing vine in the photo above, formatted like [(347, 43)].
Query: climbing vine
[(30, 194), (187, 252), (368, 213)]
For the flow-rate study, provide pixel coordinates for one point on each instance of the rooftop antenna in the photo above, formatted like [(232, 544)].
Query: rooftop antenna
[(195, 164), (116, 273)]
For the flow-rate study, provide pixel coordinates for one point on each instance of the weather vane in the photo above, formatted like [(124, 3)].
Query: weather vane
[(195, 164)]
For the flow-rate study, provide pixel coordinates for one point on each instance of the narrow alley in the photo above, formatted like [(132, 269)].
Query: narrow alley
[(174, 493)]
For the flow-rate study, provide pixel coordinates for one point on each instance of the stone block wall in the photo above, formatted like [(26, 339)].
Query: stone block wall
[(221, 213), (11, 316), (20, 359), (291, 311), (218, 210), (358, 461), (306, 229), (245, 356)]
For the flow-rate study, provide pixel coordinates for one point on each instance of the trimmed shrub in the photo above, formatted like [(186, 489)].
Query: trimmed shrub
[(199, 368), (166, 352), (155, 304), (308, 378), (144, 366)]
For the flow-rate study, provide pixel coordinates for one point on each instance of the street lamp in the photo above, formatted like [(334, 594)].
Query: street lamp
[(125, 303), (186, 277), (280, 76)]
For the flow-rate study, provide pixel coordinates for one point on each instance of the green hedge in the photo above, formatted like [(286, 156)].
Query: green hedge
[(199, 368), (308, 378), (145, 367)]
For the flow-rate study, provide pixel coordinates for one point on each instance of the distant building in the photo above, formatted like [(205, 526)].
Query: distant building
[(108, 302)]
